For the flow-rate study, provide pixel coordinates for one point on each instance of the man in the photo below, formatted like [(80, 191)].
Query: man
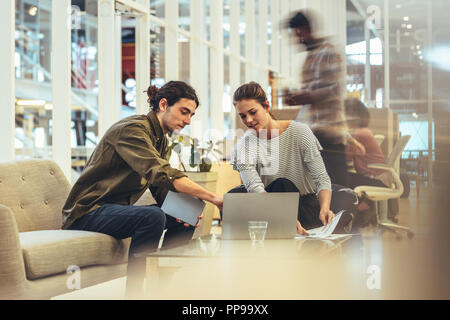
[(321, 97), (129, 159)]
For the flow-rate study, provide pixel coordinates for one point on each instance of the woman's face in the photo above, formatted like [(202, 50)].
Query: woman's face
[(253, 114)]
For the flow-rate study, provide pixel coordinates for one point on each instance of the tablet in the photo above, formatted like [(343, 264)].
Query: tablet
[(183, 206)]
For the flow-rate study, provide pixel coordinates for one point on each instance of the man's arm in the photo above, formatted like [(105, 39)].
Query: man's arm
[(184, 185), (309, 97)]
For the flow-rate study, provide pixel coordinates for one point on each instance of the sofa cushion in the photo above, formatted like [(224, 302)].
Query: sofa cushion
[(47, 252), (35, 191)]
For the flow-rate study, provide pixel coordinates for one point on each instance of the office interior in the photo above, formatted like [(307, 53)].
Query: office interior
[(71, 69)]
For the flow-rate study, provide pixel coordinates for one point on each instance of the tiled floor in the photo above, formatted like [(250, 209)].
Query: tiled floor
[(379, 267)]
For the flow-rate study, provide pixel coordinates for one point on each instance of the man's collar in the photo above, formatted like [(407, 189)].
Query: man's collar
[(155, 125)]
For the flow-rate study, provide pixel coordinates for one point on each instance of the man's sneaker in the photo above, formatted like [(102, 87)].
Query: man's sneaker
[(345, 223)]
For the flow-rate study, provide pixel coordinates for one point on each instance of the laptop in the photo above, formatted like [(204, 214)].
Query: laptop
[(279, 209)]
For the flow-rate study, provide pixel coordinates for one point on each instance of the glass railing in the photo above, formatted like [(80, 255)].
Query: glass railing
[(34, 82)]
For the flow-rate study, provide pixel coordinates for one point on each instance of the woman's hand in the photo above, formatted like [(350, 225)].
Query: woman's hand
[(326, 215), (357, 147), (301, 230)]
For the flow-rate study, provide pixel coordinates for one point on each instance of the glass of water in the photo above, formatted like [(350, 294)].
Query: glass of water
[(257, 231)]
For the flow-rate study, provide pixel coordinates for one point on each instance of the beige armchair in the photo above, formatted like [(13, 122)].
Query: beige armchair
[(377, 194), (37, 258)]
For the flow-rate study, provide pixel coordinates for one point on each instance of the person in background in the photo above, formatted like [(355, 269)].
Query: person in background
[(129, 159), (358, 118), (321, 96), (284, 156)]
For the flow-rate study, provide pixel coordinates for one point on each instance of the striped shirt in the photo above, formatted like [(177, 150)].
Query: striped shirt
[(293, 155), (322, 70)]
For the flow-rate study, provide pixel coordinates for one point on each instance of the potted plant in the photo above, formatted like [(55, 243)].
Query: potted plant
[(201, 160), (201, 157)]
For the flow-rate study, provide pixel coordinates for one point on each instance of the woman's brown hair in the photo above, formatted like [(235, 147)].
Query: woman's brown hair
[(252, 90)]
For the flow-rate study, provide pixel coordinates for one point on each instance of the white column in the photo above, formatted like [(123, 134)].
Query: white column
[(367, 76), (117, 107), (61, 74), (263, 49), (250, 74), (197, 57), (106, 70), (235, 49), (276, 35), (7, 80), (387, 82), (429, 44), (217, 81), (285, 45), (171, 40), (142, 64)]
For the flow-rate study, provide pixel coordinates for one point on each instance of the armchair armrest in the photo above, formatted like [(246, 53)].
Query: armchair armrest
[(12, 268), (382, 166), (397, 181)]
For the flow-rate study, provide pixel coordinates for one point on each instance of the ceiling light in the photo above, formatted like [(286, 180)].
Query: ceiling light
[(398, 6), (32, 11), (405, 18), (21, 102), (409, 26)]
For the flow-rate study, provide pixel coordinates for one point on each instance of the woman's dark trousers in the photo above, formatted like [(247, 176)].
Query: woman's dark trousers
[(309, 207)]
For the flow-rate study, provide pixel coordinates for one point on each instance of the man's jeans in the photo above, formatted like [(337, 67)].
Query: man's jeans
[(144, 224)]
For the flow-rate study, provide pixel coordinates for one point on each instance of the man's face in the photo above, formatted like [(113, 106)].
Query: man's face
[(303, 35), (177, 116)]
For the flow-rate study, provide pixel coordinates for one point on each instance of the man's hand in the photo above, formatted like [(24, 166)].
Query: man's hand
[(218, 201), (326, 215), (296, 98), (301, 230), (187, 224), (287, 97)]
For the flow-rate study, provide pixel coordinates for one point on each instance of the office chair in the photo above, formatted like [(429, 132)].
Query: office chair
[(384, 193), (379, 138)]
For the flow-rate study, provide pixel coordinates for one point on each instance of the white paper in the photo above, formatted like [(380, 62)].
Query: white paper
[(325, 232)]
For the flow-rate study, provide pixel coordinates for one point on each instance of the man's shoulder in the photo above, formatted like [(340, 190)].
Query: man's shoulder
[(133, 122)]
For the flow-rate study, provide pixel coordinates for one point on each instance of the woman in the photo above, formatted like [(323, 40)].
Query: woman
[(283, 156), (358, 118)]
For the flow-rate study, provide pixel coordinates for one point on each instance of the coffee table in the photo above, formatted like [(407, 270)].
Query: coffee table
[(211, 265)]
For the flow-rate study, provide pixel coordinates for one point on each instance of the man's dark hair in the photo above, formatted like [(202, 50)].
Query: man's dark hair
[(172, 91), (355, 108), (299, 20)]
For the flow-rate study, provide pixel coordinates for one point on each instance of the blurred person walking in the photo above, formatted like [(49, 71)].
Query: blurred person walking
[(321, 97)]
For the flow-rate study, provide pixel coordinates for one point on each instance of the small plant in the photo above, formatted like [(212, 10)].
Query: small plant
[(200, 157)]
